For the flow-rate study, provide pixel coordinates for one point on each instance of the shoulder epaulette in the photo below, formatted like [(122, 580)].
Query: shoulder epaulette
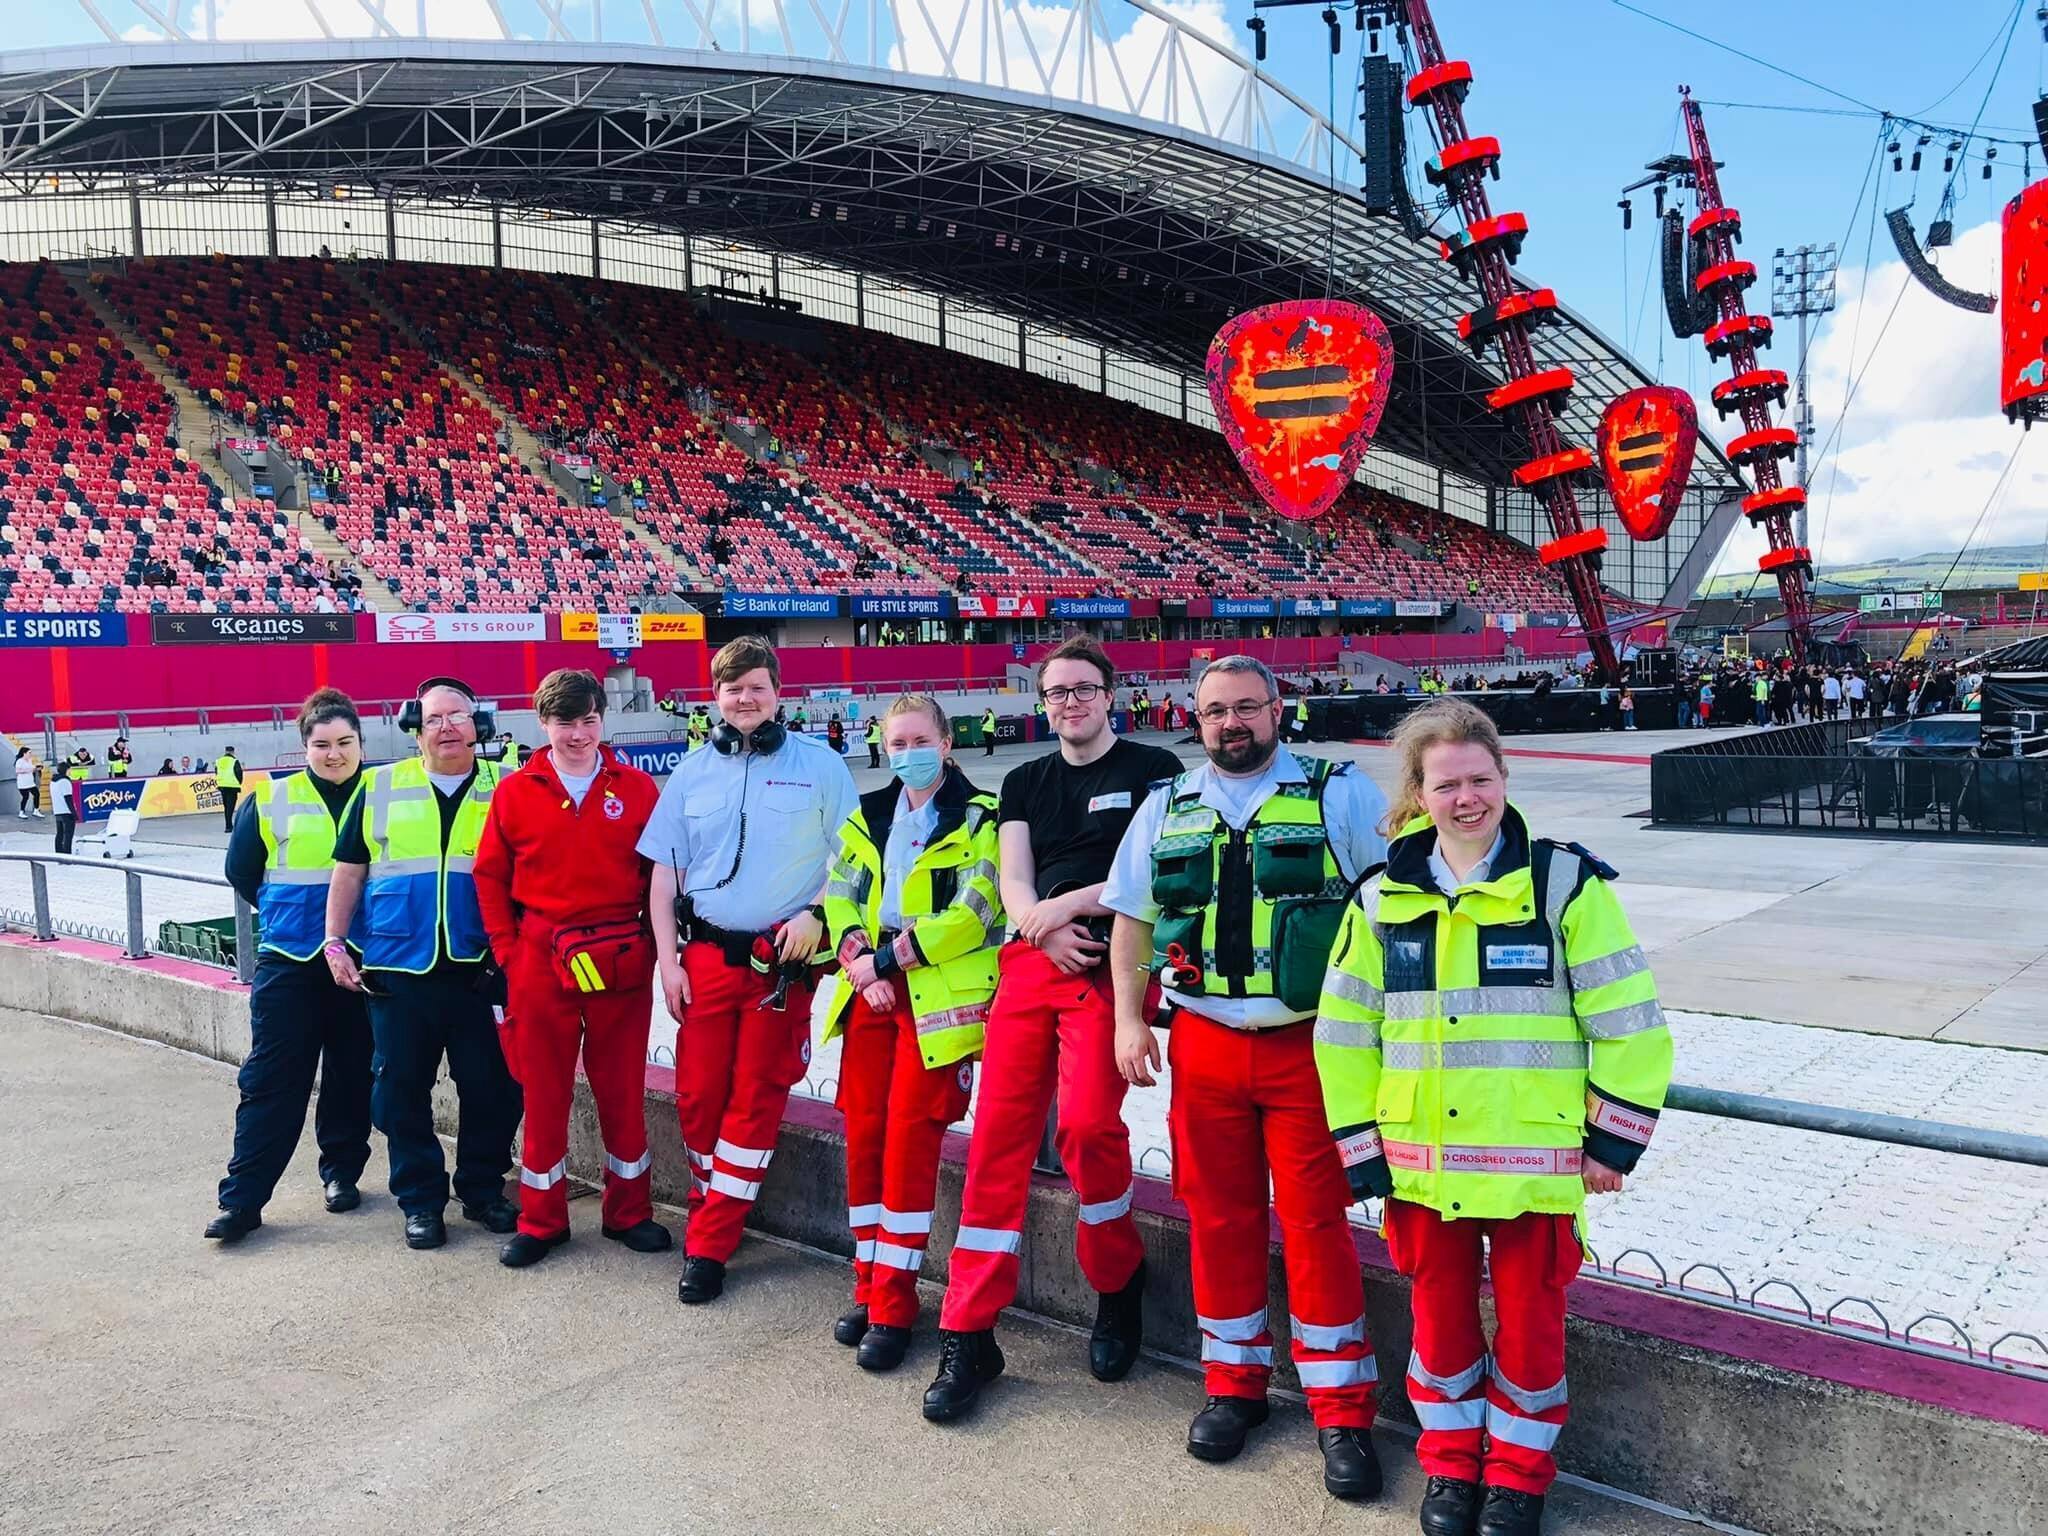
[(1594, 862)]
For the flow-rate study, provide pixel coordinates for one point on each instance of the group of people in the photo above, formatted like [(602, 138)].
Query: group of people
[(1776, 691), (1430, 1006)]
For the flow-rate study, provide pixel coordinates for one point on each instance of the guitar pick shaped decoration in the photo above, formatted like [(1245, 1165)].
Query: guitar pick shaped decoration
[(1299, 388), (1647, 440)]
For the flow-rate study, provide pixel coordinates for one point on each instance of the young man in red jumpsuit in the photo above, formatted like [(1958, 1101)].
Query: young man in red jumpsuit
[(1052, 1029), (562, 890)]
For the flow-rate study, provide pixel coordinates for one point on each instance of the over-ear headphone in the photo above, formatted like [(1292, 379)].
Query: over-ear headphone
[(730, 741), (412, 721)]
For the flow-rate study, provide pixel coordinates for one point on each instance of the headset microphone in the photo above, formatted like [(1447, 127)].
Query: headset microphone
[(411, 719), (729, 741)]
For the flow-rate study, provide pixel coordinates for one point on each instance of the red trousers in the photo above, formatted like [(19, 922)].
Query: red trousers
[(897, 1110), (1491, 1418), (735, 1063), (1047, 1032), (1246, 1102), (546, 1025)]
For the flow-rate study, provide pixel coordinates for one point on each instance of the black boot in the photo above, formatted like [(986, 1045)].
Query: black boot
[(1119, 1329), (1219, 1430), (340, 1195), (425, 1229), (648, 1236), (703, 1280), (232, 1226), (851, 1327), (967, 1363), (525, 1249), (882, 1348), (496, 1214), (1450, 1507), (1351, 1468), (1510, 1512)]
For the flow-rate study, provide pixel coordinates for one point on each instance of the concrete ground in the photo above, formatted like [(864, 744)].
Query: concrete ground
[(322, 1378)]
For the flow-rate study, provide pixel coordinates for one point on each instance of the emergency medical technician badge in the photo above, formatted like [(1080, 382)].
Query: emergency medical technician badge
[(1298, 389), (614, 807)]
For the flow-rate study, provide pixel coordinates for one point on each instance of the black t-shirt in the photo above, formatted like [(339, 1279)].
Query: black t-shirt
[(351, 847), (1078, 816)]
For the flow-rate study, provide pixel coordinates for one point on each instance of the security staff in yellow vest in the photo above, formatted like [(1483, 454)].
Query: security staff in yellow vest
[(914, 911), (1230, 884), (227, 778), (874, 743), (1491, 1049), (1301, 716), (988, 731), (514, 756), (119, 758), (280, 860), (405, 853), (698, 727)]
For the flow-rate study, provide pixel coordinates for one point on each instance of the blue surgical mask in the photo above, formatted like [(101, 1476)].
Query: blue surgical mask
[(917, 767)]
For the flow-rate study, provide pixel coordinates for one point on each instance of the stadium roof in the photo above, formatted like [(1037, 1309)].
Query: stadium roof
[(1137, 203)]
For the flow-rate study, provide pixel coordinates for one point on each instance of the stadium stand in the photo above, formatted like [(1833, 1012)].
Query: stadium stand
[(841, 466), (100, 506), (427, 499)]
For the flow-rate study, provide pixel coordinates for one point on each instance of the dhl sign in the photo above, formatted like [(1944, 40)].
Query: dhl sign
[(653, 626), (1299, 389), (1647, 438)]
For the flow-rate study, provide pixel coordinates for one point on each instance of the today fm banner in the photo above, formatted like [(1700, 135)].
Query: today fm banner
[(172, 794)]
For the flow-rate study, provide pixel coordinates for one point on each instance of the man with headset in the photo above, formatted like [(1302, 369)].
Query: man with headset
[(407, 849), (740, 842)]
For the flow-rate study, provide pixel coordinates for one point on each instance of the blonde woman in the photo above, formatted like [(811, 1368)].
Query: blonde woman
[(1491, 1050)]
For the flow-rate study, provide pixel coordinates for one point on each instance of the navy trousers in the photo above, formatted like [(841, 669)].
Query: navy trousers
[(300, 1022), (416, 1021)]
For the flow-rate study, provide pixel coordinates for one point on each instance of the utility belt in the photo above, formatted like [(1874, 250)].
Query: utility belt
[(1169, 1012), (734, 947)]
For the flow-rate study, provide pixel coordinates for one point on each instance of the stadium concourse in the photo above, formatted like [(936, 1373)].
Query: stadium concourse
[(422, 405), (1893, 977)]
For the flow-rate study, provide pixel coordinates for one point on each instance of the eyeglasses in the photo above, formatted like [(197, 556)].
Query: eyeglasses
[(1080, 693), (1244, 709), (454, 721)]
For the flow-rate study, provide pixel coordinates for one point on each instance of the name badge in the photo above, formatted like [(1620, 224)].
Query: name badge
[(1120, 801), (1518, 957), (1409, 951)]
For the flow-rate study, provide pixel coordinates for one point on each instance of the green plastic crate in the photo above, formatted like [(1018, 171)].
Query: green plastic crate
[(209, 940)]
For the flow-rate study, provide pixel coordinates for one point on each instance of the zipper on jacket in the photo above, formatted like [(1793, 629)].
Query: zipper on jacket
[(1234, 912)]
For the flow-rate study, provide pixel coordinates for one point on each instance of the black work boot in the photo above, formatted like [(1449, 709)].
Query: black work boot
[(1351, 1468), (1218, 1432), (1450, 1507), (648, 1236), (967, 1363), (1510, 1512), (882, 1347), (702, 1280), (232, 1226), (524, 1249), (496, 1214), (852, 1326), (1119, 1329)]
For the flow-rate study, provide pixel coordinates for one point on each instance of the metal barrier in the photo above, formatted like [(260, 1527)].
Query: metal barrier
[(133, 935)]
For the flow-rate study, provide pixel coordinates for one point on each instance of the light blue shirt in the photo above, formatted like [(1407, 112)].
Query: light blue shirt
[(1450, 884), (1353, 808), (752, 835), (908, 834)]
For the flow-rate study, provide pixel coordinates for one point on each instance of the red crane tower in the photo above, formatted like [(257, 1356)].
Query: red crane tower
[(1484, 252), (1751, 390)]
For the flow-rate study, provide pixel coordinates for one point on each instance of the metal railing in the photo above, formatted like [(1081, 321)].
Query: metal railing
[(133, 932)]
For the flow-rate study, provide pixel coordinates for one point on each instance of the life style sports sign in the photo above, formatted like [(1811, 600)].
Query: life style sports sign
[(18, 629)]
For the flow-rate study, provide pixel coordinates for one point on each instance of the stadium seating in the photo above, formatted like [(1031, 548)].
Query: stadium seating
[(427, 499), (100, 508), (841, 466)]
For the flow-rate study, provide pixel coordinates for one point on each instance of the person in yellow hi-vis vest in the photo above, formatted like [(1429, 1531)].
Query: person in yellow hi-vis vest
[(913, 908), (227, 778), (1491, 1049)]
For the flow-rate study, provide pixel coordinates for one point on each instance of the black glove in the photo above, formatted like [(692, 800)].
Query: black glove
[(489, 984), (1371, 1178)]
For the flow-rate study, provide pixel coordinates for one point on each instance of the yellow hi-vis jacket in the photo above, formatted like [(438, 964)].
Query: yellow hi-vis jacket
[(227, 773), (417, 887), (298, 864), (951, 908), (1485, 1044)]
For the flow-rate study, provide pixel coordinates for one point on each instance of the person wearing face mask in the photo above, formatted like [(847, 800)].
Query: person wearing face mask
[(1229, 886), (1485, 1128), (563, 892), (1051, 1030), (280, 858), (406, 855), (916, 918)]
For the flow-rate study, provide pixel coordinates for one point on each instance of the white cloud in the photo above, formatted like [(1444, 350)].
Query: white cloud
[(293, 20), (1923, 442), (994, 41)]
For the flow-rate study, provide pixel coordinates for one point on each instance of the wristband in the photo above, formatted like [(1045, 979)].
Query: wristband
[(334, 946)]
